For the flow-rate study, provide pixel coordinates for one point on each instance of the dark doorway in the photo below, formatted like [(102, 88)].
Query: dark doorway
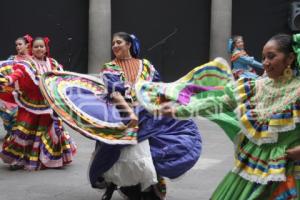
[(258, 20), (64, 22)]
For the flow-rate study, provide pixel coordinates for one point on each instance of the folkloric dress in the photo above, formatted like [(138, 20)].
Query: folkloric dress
[(243, 64), (8, 107), (38, 139), (264, 125), (175, 145)]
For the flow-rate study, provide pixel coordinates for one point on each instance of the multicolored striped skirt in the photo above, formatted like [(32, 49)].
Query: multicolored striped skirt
[(37, 142)]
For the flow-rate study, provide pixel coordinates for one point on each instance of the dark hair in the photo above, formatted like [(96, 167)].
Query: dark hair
[(135, 44), (46, 42), (26, 38), (235, 38), (37, 38), (232, 41), (285, 44)]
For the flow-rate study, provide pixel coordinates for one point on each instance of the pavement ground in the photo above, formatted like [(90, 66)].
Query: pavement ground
[(71, 182)]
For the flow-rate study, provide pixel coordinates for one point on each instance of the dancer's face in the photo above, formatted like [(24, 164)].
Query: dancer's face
[(275, 61), (21, 47), (39, 49), (239, 43), (120, 48)]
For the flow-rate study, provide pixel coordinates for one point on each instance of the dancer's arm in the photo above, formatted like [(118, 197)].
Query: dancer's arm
[(18, 72), (202, 107), (205, 107), (123, 106), (250, 61)]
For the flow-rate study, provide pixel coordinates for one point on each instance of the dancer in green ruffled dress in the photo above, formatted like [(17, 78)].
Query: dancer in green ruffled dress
[(267, 135)]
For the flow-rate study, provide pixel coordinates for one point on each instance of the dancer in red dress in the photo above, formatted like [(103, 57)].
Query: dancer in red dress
[(38, 139)]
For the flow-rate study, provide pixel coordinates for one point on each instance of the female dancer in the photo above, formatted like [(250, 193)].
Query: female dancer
[(38, 139), (172, 146), (8, 108), (23, 48), (268, 144), (242, 63)]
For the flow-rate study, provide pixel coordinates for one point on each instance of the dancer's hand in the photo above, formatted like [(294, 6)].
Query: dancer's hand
[(293, 153), (4, 81), (133, 120), (117, 98), (167, 110)]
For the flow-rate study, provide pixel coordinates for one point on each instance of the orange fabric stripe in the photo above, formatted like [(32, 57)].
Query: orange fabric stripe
[(130, 68), (289, 184)]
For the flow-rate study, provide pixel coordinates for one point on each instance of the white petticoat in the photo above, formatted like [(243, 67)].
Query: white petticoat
[(134, 166)]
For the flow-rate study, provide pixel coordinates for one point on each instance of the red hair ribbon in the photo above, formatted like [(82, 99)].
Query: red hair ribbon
[(47, 40), (29, 40)]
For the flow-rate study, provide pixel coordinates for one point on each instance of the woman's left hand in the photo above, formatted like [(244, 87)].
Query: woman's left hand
[(293, 153), (117, 98)]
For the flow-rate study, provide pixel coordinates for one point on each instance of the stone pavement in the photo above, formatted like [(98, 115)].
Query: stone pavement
[(71, 182)]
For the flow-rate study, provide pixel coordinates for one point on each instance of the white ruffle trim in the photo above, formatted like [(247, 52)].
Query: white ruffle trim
[(134, 166), (273, 130), (277, 129), (37, 112), (259, 179), (267, 140)]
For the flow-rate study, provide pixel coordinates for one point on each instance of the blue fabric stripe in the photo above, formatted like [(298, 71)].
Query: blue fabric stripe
[(258, 166)]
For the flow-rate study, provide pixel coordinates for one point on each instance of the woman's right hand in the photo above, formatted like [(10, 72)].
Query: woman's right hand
[(120, 102), (293, 153), (167, 110), (133, 120)]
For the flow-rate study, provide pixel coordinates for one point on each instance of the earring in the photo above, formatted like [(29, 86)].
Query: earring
[(288, 72)]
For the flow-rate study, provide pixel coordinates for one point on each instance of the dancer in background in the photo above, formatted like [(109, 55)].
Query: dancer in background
[(243, 65), (38, 139), (8, 107), (23, 48)]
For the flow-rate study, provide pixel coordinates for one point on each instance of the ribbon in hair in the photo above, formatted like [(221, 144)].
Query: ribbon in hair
[(28, 38), (47, 40), (136, 47), (230, 45)]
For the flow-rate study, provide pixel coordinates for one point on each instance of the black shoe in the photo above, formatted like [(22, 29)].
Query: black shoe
[(16, 167), (131, 192), (150, 195), (109, 191), (100, 185)]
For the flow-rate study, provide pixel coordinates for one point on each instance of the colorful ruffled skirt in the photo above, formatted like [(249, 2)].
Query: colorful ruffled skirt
[(37, 142), (262, 172), (8, 118), (8, 108)]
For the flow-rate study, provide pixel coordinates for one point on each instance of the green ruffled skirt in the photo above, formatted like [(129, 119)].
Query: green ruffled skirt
[(259, 170)]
